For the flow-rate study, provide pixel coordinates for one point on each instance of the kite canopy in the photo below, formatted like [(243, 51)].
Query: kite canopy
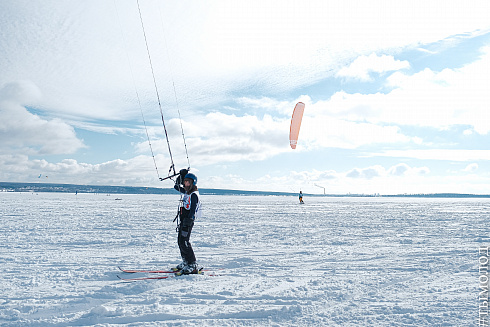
[(296, 124)]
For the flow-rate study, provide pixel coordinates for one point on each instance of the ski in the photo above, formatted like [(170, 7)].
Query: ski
[(143, 278), (131, 271), (177, 273), (195, 272)]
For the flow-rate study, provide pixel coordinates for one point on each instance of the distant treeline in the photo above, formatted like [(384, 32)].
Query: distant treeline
[(72, 188)]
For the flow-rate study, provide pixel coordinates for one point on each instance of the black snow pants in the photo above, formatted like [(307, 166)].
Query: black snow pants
[(185, 247)]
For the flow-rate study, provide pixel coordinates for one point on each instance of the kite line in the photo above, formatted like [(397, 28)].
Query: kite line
[(136, 89), (171, 171)]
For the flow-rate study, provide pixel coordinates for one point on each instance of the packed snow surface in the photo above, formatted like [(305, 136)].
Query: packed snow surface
[(274, 262)]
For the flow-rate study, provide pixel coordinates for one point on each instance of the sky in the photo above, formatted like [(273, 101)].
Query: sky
[(396, 93)]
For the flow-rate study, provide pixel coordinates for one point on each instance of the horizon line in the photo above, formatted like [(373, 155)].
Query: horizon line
[(116, 189)]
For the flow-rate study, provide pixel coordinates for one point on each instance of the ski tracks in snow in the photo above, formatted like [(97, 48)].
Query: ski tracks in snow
[(371, 262)]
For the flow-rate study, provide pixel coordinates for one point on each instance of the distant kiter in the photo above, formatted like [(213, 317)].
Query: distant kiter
[(301, 197)]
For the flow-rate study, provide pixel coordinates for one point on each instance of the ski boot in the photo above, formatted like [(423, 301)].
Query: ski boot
[(191, 268), (180, 266)]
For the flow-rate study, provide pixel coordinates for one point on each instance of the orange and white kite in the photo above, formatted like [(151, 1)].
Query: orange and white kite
[(296, 124)]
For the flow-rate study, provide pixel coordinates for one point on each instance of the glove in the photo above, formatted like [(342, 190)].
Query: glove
[(186, 226), (187, 222), (184, 231), (180, 178)]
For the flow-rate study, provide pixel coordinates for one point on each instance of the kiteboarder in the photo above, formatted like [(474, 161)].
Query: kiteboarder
[(189, 211), (301, 197)]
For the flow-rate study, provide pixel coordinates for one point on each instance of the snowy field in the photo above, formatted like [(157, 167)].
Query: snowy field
[(329, 262)]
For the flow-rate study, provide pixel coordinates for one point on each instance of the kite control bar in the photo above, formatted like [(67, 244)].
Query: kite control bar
[(162, 179), (182, 174), (172, 167)]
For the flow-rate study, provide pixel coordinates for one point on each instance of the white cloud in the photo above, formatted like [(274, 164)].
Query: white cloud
[(471, 168), (21, 131), (78, 51), (220, 138), (437, 154), (399, 169), (403, 169), (257, 138), (378, 171), (366, 173), (427, 98), (326, 131), (137, 171), (363, 66), (441, 99), (397, 179), (20, 92)]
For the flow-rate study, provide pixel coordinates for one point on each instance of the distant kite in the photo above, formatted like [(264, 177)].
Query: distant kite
[(296, 124)]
